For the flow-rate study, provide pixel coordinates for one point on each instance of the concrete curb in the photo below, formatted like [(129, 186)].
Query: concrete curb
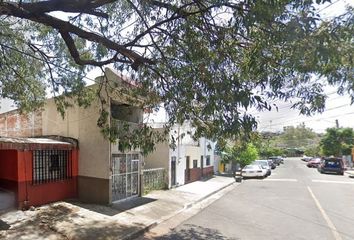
[(140, 232), (189, 205)]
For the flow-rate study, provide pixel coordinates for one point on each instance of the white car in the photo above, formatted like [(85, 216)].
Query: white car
[(265, 165), (254, 171)]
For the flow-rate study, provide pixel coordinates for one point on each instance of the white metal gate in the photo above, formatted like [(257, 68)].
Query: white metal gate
[(125, 176)]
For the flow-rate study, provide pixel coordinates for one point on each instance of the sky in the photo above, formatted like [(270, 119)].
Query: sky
[(337, 107)]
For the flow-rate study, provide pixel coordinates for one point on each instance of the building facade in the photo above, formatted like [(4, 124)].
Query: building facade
[(187, 161), (37, 170), (105, 175)]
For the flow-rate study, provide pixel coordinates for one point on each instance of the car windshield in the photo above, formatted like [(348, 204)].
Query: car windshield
[(262, 163), (332, 164), (251, 167)]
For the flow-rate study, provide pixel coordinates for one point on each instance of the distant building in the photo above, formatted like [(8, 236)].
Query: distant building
[(187, 161)]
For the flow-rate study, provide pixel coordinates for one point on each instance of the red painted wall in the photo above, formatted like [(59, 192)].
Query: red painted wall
[(17, 167), (8, 170), (8, 165), (208, 171), (195, 174)]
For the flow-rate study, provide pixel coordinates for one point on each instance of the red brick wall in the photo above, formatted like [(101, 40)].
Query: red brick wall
[(14, 124), (195, 174), (208, 171)]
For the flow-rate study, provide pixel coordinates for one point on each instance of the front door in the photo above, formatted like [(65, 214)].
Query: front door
[(187, 169), (173, 171), (125, 176), (201, 165)]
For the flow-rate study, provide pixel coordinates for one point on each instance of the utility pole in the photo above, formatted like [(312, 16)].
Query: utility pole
[(337, 123)]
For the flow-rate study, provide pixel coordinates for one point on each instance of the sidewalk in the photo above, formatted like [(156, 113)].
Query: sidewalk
[(125, 220), (350, 172)]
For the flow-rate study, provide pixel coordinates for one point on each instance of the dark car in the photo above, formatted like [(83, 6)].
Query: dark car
[(271, 164), (314, 162), (277, 160), (331, 165)]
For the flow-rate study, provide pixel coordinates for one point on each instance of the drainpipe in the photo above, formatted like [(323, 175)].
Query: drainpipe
[(178, 153), (204, 159)]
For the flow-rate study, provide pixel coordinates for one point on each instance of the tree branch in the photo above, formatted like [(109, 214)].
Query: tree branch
[(66, 27)]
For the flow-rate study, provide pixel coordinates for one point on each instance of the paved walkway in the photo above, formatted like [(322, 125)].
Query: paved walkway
[(125, 220)]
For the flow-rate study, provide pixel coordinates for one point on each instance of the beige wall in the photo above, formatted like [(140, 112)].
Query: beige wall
[(159, 158), (80, 123), (194, 153)]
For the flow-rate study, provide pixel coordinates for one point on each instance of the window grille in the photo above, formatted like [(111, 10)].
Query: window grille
[(51, 165)]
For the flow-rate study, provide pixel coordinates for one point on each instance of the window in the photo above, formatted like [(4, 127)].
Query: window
[(195, 163), (207, 160), (51, 165)]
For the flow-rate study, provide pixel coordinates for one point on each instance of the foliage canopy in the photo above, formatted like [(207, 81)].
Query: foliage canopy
[(207, 62), (337, 142)]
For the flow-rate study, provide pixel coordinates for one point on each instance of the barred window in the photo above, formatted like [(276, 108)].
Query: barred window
[(51, 165)]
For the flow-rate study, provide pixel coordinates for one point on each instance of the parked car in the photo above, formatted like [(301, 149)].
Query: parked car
[(271, 164), (306, 159), (331, 165), (277, 159), (265, 165), (314, 162), (253, 171)]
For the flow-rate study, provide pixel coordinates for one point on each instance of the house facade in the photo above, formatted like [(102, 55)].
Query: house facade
[(38, 170), (187, 161), (105, 175)]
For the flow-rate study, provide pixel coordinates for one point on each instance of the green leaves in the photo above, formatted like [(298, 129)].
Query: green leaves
[(337, 142), (210, 63)]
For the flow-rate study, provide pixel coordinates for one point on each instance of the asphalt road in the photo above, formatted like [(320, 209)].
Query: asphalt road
[(295, 202)]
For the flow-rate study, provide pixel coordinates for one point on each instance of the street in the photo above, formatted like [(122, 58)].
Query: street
[(295, 202)]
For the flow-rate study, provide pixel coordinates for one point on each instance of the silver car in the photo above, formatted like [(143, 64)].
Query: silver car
[(265, 165), (253, 171)]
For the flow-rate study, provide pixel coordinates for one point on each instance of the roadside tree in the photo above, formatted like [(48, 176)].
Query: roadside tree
[(337, 142), (207, 62)]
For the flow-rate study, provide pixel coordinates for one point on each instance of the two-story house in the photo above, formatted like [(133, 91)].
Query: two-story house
[(104, 174)]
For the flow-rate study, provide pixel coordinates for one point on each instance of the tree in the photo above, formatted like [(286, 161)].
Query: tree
[(242, 153), (294, 141), (248, 155), (337, 142), (207, 62)]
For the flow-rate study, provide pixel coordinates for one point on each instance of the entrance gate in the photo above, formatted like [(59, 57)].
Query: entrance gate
[(125, 176)]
